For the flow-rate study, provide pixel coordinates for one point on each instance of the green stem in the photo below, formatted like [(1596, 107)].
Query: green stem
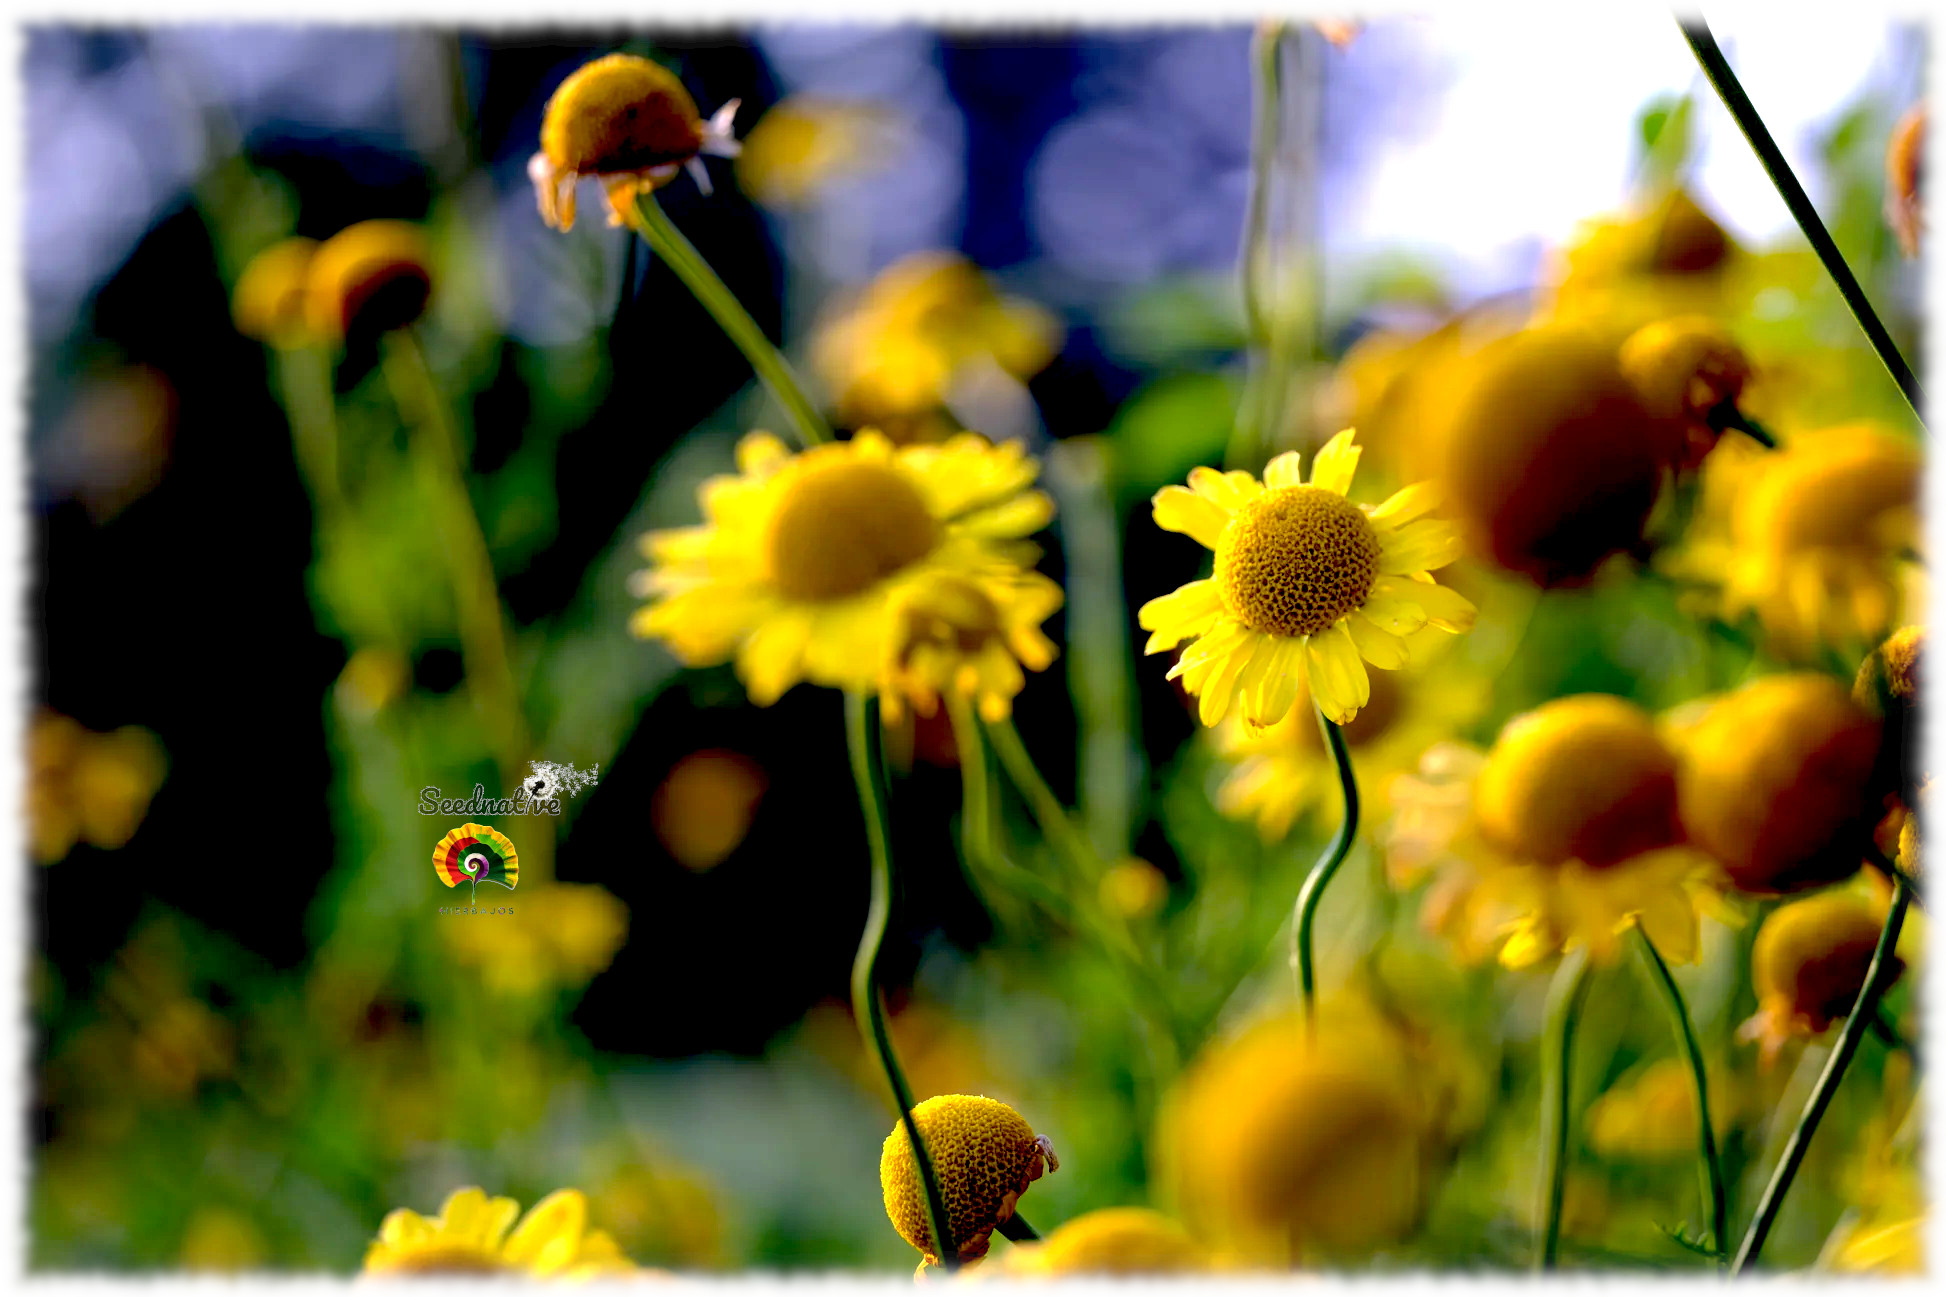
[(1564, 1011), (476, 591), (1730, 90), (1016, 1229), (1862, 1012), (1309, 896), (1048, 811), (1253, 411), (1711, 1165), (976, 790), (1725, 417), (304, 381), (652, 223), (865, 1004)]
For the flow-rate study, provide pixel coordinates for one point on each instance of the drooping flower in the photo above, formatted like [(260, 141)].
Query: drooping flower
[(1564, 835), (832, 565), (1304, 579), (1685, 369), (372, 277), (1887, 685), (1808, 966), (1111, 1241), (627, 121), (469, 1236), (984, 1155)]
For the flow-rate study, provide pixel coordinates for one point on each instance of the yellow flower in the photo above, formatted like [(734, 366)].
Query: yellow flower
[(469, 1236), (1904, 178), (628, 121), (893, 356), (1813, 537), (664, 1211), (1651, 1115), (1133, 888), (1282, 1144), (1282, 770), (807, 562), (1565, 835), (969, 636), (1776, 782), (1887, 685), (375, 276), (269, 301), (1307, 585), (804, 141), (1808, 965), (984, 1155), (705, 805), (1684, 369), (87, 787), (559, 935), (1111, 1240), (1667, 257)]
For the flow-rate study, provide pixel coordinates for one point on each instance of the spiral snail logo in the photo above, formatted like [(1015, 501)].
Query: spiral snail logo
[(474, 853)]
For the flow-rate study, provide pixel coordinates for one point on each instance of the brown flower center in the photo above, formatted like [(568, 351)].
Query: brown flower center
[(844, 525), (1295, 560)]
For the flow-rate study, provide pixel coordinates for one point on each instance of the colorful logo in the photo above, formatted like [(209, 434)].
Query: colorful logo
[(474, 853)]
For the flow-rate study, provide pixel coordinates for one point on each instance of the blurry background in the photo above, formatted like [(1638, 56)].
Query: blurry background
[(253, 1033)]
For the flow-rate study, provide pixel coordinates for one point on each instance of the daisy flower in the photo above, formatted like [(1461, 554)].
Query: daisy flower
[(1303, 579), (469, 1236)]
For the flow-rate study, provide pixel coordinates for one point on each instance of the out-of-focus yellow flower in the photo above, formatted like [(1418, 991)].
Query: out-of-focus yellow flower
[(1667, 257), (1110, 1240), (984, 1156), (1776, 782), (469, 1236), (1133, 889), (1905, 156), (970, 637), (1549, 459), (1887, 686), (1282, 771), (629, 122), (87, 787), (373, 276), (1808, 965), (892, 356), (663, 1211), (1651, 1114), (268, 303), (1565, 835), (1885, 1231), (178, 1043), (805, 141), (1685, 369), (1308, 587), (806, 561), (1282, 1145), (940, 1054), (1397, 386), (559, 935), (705, 805), (373, 679), (222, 1240), (1813, 537)]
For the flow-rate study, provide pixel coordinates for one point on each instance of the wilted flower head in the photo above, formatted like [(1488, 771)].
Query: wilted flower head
[(984, 1155), (628, 121), (373, 276), (1809, 964), (469, 1236)]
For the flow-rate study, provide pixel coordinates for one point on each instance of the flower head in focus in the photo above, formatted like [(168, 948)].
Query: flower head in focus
[(627, 121), (831, 566), (1308, 586), (1564, 835), (469, 1236), (984, 1154)]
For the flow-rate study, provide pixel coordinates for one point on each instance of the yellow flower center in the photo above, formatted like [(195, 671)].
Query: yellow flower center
[(1295, 560), (845, 525), (620, 113)]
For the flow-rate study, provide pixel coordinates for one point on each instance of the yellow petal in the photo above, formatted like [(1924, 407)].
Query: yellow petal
[(403, 1226), (1023, 515), (1219, 690), (1418, 547), (1180, 509), (1444, 607), (1285, 470), (771, 659), (1407, 505), (1335, 464), (1279, 689), (1181, 614), (1227, 491), (1394, 604), (550, 1234), (1338, 679), (1220, 639), (1378, 646), (759, 452)]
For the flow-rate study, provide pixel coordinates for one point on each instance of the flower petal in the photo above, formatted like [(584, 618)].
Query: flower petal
[(1338, 679), (1376, 645), (1278, 689), (1181, 614), (1419, 547), (1023, 515), (1218, 691), (1407, 505), (1227, 491), (1335, 464), (1178, 508), (1285, 470), (1444, 606)]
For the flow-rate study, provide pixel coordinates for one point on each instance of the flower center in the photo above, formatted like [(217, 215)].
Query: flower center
[(1295, 560), (844, 525), (949, 613)]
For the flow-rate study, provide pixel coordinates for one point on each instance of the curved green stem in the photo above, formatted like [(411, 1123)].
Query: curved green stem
[(649, 220), (1569, 992), (1255, 410), (1711, 1165), (1308, 896), (1730, 90), (1856, 1021), (1048, 811), (864, 966)]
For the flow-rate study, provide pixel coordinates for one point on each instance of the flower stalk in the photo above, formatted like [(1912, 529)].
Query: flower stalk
[(1877, 975), (865, 1006), (647, 218), (1710, 1165), (1565, 1000), (1304, 918)]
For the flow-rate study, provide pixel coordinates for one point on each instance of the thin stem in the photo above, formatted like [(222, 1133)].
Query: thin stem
[(476, 591), (1730, 90), (976, 790), (647, 218), (1710, 1164), (1016, 1229), (1048, 811), (1725, 417), (1861, 1014), (865, 1004), (1253, 255), (304, 381), (1309, 896), (1564, 1011)]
